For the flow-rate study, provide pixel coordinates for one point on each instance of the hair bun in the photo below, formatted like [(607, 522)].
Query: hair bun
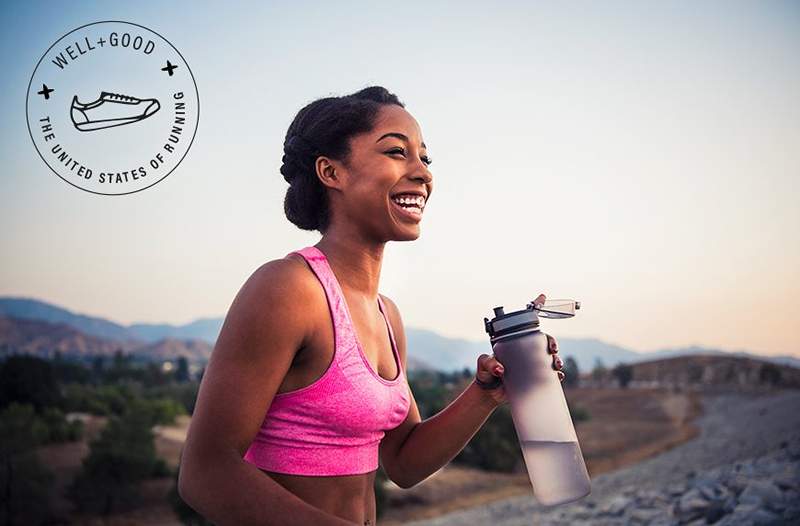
[(299, 156)]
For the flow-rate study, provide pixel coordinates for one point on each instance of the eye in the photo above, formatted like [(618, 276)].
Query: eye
[(425, 159)]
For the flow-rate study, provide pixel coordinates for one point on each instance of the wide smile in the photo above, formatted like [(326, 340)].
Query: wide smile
[(410, 207)]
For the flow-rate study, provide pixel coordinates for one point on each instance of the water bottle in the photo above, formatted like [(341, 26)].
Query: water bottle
[(539, 409)]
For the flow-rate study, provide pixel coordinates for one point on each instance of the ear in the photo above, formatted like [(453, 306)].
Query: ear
[(326, 172)]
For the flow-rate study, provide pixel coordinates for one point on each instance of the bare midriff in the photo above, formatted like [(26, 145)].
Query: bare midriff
[(350, 497)]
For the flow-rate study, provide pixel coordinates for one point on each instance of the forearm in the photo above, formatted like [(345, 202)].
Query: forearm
[(435, 441), (232, 491)]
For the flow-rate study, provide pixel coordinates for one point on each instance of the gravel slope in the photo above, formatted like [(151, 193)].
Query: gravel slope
[(744, 440)]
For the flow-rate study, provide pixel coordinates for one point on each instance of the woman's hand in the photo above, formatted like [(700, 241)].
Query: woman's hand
[(490, 370)]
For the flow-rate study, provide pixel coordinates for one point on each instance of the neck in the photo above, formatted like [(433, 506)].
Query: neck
[(355, 261)]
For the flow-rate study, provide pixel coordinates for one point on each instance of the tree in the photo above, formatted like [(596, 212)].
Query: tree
[(119, 459), (182, 371), (572, 372), (623, 373), (24, 482), (495, 446), (769, 374), (98, 367), (599, 372), (28, 380)]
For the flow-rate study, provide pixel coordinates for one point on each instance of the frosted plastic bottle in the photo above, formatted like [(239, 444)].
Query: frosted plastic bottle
[(539, 409)]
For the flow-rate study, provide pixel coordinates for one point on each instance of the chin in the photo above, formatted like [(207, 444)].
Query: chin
[(407, 234)]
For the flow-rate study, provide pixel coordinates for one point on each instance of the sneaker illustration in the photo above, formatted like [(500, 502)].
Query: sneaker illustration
[(111, 109)]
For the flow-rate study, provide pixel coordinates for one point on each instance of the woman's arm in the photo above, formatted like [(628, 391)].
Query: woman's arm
[(435, 441), (259, 338), (415, 449)]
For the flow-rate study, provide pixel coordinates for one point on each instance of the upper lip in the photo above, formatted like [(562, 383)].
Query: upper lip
[(412, 192)]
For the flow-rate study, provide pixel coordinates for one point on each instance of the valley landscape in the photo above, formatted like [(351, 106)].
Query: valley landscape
[(652, 432)]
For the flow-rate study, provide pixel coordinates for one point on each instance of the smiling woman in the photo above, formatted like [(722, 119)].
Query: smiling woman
[(305, 395), (334, 130)]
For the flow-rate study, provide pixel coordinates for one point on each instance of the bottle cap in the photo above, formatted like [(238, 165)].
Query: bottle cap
[(504, 324)]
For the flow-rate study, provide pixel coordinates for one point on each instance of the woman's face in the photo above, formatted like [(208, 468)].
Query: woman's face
[(386, 184)]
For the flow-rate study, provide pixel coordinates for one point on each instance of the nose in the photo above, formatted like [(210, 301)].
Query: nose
[(422, 173)]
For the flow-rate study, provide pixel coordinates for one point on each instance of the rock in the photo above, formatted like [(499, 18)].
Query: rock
[(760, 493), (788, 478), (644, 515), (759, 517), (729, 504), (715, 512), (737, 483), (713, 490), (650, 499), (675, 489), (691, 505), (616, 506), (792, 514)]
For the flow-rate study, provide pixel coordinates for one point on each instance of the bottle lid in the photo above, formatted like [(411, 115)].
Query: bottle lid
[(527, 320), (504, 324), (557, 308)]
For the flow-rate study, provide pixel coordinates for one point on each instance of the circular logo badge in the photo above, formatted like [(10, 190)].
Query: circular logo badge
[(112, 108)]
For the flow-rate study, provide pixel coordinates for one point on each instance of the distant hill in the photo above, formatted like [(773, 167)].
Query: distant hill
[(43, 339), (30, 309), (714, 370), (426, 349), (26, 308)]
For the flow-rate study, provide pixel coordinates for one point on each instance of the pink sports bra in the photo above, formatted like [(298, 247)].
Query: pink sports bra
[(334, 425)]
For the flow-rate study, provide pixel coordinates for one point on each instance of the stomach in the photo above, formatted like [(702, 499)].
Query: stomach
[(350, 497)]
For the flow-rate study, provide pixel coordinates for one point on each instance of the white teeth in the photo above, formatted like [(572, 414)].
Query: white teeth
[(416, 200)]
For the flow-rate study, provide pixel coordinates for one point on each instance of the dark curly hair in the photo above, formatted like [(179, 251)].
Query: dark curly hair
[(324, 127)]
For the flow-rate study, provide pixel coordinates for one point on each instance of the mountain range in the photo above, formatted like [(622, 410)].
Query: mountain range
[(36, 327)]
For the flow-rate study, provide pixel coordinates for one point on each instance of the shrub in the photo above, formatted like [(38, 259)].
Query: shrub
[(24, 482), (122, 456), (495, 446)]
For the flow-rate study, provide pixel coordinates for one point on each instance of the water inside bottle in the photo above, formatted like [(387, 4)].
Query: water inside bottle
[(554, 483)]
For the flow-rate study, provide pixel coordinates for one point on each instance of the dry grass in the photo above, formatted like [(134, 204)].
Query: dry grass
[(626, 426)]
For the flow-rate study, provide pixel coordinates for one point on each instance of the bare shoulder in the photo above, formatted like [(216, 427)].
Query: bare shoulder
[(266, 325)]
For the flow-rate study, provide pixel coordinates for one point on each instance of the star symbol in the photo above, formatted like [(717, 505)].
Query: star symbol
[(45, 91), (168, 68)]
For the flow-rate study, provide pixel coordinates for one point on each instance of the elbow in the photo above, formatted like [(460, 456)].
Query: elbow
[(405, 485), (188, 478), (184, 490), (404, 482)]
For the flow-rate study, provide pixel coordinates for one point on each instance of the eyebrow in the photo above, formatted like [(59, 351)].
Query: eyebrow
[(399, 136)]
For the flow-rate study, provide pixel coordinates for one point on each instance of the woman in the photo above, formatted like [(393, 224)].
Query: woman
[(305, 392)]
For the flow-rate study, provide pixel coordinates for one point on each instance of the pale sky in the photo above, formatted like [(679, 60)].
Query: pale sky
[(640, 157)]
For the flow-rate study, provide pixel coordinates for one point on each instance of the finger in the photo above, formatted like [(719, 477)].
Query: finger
[(552, 345), (558, 364), (540, 299), (491, 364)]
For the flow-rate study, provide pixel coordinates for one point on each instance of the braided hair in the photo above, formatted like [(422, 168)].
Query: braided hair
[(324, 127)]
